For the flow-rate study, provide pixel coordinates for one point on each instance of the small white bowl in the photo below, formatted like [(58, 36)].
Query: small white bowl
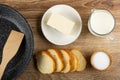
[(55, 36)]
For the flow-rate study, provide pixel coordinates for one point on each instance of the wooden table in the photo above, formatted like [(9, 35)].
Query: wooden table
[(33, 11)]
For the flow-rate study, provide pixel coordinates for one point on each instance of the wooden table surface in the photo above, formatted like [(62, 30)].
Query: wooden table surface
[(33, 11)]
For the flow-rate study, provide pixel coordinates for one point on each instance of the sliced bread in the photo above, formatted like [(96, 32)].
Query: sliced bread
[(58, 59), (74, 63), (45, 63), (67, 61), (72, 60), (81, 59)]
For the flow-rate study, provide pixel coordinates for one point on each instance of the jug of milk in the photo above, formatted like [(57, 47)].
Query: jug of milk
[(101, 22)]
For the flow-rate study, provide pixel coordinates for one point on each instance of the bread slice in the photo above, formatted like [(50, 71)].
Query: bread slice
[(58, 59), (72, 60), (81, 59), (67, 61), (74, 63), (45, 63)]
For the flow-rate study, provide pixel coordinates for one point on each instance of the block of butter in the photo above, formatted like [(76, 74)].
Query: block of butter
[(61, 23)]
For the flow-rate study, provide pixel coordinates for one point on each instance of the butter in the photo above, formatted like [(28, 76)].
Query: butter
[(61, 23)]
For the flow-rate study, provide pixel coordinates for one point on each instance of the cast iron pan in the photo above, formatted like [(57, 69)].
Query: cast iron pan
[(10, 19)]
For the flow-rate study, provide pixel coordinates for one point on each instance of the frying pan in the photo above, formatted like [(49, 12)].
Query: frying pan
[(10, 19)]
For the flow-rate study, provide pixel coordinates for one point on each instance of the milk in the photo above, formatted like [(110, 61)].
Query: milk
[(101, 22)]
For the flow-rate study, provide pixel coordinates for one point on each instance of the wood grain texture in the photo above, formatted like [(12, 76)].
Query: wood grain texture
[(33, 10)]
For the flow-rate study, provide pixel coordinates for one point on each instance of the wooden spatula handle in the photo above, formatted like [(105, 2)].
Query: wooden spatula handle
[(2, 69), (3, 66)]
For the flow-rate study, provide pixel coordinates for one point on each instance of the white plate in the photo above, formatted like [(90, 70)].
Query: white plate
[(55, 36)]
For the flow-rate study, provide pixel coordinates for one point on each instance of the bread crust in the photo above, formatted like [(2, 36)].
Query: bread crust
[(38, 57), (75, 63), (67, 63), (57, 57), (71, 60), (81, 59)]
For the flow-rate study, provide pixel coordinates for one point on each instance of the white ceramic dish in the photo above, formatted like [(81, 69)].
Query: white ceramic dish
[(56, 37)]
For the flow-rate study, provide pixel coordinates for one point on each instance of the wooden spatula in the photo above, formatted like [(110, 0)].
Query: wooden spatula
[(10, 49)]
